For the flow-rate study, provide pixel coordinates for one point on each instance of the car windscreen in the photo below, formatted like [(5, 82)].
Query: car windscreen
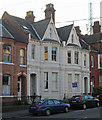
[(39, 102), (75, 97)]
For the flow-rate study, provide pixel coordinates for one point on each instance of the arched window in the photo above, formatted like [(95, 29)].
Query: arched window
[(22, 56)]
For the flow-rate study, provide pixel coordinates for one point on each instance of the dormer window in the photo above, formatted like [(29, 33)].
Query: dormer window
[(50, 33), (72, 39)]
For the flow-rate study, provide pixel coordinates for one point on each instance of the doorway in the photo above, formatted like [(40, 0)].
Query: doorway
[(19, 88), (33, 84), (85, 85)]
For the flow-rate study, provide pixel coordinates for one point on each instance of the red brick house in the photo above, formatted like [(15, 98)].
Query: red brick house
[(13, 60), (95, 42)]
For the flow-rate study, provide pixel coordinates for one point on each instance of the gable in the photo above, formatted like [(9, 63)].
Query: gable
[(51, 32), (73, 38)]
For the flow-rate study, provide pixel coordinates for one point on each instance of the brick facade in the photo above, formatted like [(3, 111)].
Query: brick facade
[(15, 70)]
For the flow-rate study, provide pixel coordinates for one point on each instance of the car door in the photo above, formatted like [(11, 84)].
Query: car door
[(50, 105), (59, 107), (91, 101)]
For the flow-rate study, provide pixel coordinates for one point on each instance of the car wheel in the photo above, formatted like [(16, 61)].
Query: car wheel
[(47, 112), (66, 109), (84, 106), (97, 104)]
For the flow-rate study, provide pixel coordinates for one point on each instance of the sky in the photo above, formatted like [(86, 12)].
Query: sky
[(66, 10)]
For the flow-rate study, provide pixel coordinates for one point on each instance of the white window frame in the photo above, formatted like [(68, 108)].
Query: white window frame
[(54, 54), (46, 85), (69, 61), (69, 82), (33, 51), (92, 61), (85, 60), (54, 80), (76, 57), (6, 88)]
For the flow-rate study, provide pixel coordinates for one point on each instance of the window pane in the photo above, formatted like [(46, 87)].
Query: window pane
[(54, 80), (6, 84), (46, 53), (85, 60), (69, 57), (69, 81), (22, 57), (6, 53), (46, 80), (92, 61), (76, 56), (33, 52), (54, 50)]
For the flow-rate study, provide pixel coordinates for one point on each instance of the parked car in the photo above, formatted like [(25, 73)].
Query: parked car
[(100, 98), (84, 101), (48, 107)]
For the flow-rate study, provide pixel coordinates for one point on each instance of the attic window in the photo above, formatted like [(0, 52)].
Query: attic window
[(72, 39), (24, 27), (50, 33)]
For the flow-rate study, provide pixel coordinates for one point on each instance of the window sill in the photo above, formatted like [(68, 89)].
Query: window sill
[(54, 90), (6, 96), (45, 90), (7, 63), (23, 65)]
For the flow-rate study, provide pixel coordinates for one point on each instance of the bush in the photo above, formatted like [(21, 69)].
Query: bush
[(97, 90)]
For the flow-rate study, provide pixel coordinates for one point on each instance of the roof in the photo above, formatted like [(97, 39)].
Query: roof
[(14, 32), (37, 29), (64, 32), (85, 44), (93, 38), (4, 32), (41, 26)]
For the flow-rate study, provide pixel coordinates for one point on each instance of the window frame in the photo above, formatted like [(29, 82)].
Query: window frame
[(92, 61), (54, 81), (76, 57), (46, 84), (8, 85), (54, 54), (22, 56), (69, 61), (33, 52), (46, 53), (7, 54), (85, 60)]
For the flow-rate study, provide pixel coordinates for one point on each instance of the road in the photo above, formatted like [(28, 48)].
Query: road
[(88, 114)]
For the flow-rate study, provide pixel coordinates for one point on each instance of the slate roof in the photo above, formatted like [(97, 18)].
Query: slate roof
[(85, 44), (14, 32), (64, 32), (37, 29), (41, 26), (93, 38), (4, 32)]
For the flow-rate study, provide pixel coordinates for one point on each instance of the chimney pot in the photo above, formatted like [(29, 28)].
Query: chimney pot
[(96, 28), (78, 30), (30, 16), (50, 10)]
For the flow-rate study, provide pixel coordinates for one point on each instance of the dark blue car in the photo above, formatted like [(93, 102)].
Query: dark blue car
[(48, 107)]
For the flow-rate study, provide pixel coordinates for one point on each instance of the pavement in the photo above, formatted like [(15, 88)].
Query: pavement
[(15, 111)]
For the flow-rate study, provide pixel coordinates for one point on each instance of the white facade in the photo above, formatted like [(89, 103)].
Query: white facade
[(58, 75)]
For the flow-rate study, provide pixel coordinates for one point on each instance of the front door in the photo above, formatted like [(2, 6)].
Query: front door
[(19, 88)]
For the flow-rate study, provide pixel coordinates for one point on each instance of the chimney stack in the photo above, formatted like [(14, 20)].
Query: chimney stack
[(29, 16), (96, 28), (50, 11), (78, 30)]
